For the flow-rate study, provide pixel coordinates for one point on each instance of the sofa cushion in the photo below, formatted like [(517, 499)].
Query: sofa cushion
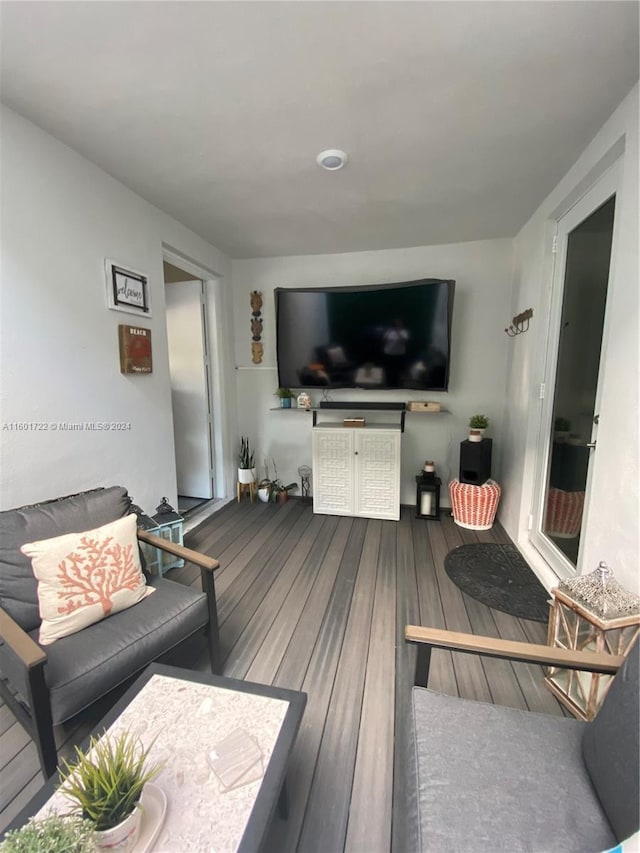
[(73, 514), (83, 577), (83, 667), (494, 778), (611, 749)]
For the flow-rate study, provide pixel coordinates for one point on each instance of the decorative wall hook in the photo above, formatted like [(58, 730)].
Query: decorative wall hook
[(518, 324)]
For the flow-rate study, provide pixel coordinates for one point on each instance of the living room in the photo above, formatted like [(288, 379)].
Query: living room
[(64, 216)]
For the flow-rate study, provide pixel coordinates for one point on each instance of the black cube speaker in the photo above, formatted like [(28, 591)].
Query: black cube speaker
[(475, 461)]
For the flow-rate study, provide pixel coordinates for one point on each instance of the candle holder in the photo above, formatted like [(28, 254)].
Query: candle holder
[(428, 496)]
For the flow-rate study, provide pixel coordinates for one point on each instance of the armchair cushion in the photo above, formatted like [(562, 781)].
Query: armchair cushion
[(466, 750), (83, 667), (73, 514)]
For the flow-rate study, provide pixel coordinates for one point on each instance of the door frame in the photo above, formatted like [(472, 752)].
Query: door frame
[(597, 194), (210, 312)]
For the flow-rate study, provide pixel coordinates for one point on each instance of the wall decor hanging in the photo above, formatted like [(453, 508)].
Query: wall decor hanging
[(127, 289), (135, 349), (257, 349), (518, 326)]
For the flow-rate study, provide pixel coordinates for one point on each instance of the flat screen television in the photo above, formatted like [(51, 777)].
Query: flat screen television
[(385, 336)]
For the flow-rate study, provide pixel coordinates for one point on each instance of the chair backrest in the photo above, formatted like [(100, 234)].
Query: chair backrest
[(610, 749), (72, 514)]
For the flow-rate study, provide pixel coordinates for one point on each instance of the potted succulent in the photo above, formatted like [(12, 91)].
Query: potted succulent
[(477, 426), (246, 462), (286, 395), (106, 783), (54, 833)]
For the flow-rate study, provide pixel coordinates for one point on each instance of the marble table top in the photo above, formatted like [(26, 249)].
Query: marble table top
[(188, 719)]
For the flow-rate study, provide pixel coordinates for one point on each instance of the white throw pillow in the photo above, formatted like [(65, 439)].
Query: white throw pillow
[(84, 577)]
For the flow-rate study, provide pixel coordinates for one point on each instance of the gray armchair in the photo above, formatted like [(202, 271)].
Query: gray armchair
[(45, 686), (490, 778)]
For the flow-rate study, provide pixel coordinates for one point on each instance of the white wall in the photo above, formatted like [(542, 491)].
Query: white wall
[(61, 217), (483, 272), (612, 533)]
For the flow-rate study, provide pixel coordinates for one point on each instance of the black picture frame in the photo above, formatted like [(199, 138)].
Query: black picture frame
[(127, 290)]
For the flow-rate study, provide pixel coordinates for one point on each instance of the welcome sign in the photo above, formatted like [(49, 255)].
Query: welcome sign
[(127, 290)]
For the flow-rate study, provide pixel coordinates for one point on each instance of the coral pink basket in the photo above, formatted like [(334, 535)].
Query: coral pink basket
[(474, 507)]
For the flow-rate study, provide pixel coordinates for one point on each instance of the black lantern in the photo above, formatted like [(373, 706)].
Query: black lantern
[(428, 496)]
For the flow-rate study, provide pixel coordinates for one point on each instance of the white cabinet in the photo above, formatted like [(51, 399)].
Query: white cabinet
[(356, 471)]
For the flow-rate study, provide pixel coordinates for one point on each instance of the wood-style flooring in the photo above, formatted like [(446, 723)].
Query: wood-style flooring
[(319, 603)]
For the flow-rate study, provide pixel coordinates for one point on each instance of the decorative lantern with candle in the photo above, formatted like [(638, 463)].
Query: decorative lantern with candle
[(428, 495), (595, 613)]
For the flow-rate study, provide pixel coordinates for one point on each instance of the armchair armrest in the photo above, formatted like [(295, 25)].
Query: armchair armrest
[(19, 642), (187, 554), (428, 638)]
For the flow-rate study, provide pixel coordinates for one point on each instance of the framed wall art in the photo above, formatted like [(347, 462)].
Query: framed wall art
[(127, 290), (135, 349)]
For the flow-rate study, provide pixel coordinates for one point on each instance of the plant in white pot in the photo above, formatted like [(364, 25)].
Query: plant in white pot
[(477, 427), (54, 833), (246, 462), (106, 783)]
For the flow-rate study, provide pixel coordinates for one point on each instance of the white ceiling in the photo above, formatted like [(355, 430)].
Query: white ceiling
[(459, 117)]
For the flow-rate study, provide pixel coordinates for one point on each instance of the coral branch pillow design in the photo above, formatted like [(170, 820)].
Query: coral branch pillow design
[(83, 577)]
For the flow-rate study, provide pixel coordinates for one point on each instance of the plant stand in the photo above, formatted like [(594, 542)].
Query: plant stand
[(246, 488)]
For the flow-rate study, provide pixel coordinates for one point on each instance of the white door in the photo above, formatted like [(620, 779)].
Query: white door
[(377, 483), (333, 471), (572, 388), (189, 388)]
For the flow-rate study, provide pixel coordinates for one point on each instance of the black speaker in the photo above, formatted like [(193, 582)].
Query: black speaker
[(475, 461)]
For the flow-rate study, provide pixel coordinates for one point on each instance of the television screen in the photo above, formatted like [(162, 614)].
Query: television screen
[(385, 336)]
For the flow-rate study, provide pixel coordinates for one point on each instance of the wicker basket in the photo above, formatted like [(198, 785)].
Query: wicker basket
[(564, 514), (474, 507)]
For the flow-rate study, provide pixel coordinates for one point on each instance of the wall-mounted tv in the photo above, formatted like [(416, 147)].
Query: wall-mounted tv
[(385, 336)]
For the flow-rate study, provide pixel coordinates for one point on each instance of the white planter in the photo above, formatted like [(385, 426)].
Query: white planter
[(476, 435), (123, 837), (246, 475), (263, 495)]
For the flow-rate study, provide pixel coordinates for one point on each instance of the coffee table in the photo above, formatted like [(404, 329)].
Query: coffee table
[(189, 714)]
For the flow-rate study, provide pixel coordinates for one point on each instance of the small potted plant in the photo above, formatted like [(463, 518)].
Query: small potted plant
[(106, 784), (286, 395), (271, 490), (54, 833), (477, 426), (246, 462)]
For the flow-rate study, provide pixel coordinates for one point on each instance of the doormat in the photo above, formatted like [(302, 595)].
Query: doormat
[(498, 576)]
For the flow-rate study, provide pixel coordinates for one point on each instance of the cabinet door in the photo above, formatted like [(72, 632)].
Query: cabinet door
[(333, 473), (377, 454)]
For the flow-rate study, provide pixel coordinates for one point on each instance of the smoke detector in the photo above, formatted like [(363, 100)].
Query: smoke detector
[(332, 159)]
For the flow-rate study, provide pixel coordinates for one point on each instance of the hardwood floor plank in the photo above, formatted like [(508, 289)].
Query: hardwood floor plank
[(17, 803), (318, 682), (369, 819), (404, 835), (441, 673), (325, 822), (283, 577), (272, 650)]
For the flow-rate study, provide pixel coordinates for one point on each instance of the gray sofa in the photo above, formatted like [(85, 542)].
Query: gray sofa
[(491, 778), (46, 686)]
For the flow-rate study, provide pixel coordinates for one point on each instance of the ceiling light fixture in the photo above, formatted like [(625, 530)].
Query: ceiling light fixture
[(332, 159)]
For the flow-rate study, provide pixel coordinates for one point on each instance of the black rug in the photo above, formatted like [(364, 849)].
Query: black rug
[(498, 576)]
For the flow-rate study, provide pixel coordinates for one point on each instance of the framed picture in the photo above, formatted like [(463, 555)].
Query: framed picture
[(127, 290), (135, 349)]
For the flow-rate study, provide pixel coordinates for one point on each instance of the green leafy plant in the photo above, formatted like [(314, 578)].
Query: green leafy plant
[(562, 425), (53, 834), (106, 782), (274, 486), (246, 456), (478, 422), (284, 393)]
